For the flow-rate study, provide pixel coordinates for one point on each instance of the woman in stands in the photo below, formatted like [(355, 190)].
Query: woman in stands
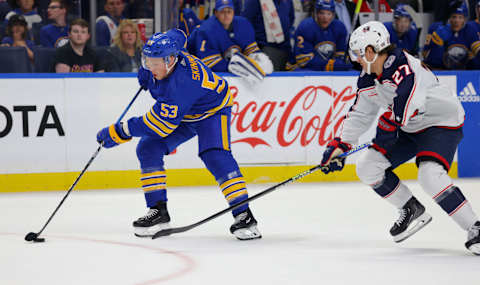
[(127, 47), (26, 8), (17, 35)]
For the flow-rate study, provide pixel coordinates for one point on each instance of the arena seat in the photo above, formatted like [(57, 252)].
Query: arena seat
[(44, 59), (14, 60)]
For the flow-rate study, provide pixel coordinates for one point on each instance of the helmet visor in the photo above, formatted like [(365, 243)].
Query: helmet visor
[(151, 63)]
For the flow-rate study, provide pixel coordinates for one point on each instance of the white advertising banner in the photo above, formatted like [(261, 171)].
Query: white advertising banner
[(50, 124)]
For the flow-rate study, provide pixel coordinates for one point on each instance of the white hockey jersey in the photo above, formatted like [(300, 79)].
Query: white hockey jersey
[(407, 88)]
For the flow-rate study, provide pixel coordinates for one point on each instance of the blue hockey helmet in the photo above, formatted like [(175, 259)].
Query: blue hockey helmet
[(179, 37), (325, 5), (401, 12), (160, 45), (457, 7)]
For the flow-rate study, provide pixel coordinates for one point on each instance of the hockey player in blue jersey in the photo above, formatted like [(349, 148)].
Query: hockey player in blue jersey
[(422, 119), (321, 40), (402, 32), (453, 46), (187, 19), (225, 42), (191, 100)]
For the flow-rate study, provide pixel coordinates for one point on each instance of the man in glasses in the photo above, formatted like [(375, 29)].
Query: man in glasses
[(55, 34)]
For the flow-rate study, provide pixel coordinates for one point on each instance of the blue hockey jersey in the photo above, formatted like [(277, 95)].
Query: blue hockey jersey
[(407, 41), (452, 50), (192, 92), (53, 36), (214, 45), (321, 49), (188, 21)]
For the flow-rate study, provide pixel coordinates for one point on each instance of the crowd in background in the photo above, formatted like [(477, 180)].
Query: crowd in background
[(301, 34)]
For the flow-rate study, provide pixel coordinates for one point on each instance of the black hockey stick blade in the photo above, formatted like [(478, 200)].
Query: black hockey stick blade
[(167, 232)]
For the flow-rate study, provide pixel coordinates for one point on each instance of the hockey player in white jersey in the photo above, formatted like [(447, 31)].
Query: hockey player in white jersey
[(422, 119)]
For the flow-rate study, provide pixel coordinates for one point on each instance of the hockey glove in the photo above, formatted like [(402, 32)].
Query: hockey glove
[(331, 162), (113, 135), (387, 133), (145, 78)]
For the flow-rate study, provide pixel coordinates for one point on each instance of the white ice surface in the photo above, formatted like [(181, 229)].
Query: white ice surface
[(329, 233)]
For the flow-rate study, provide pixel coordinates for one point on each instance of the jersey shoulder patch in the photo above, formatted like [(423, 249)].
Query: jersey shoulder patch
[(389, 61)]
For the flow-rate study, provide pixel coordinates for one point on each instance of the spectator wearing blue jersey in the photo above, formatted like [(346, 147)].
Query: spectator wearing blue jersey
[(321, 40), (55, 34), (106, 25), (402, 32), (17, 35), (272, 33), (187, 19), (455, 45), (25, 8)]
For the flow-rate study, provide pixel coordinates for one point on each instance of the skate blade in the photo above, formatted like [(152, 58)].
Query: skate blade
[(475, 248), (414, 227), (247, 233), (150, 231)]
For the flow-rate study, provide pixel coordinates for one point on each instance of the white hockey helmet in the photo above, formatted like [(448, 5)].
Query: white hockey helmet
[(372, 34)]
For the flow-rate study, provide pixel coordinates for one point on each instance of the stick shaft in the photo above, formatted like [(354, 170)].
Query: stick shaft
[(86, 166), (254, 197)]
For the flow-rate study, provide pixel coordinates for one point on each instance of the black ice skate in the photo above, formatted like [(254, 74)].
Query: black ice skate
[(412, 218), (473, 243), (245, 226), (156, 219)]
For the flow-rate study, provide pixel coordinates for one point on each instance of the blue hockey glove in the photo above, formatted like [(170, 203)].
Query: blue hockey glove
[(145, 78), (387, 133), (331, 162), (113, 135)]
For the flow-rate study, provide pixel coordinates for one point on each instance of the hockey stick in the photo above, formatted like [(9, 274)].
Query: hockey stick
[(167, 232), (355, 15), (31, 236)]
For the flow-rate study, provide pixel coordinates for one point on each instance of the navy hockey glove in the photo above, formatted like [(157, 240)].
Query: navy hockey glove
[(145, 78), (113, 135), (387, 133), (331, 162)]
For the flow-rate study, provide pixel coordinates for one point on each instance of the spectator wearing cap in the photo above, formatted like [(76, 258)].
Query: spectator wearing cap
[(187, 19), (17, 35), (321, 40), (56, 33), (273, 25), (402, 32), (25, 8), (77, 56), (219, 37), (455, 45), (106, 25)]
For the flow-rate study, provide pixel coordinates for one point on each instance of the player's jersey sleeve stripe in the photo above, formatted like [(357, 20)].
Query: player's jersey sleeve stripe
[(227, 101), (157, 124), (437, 39), (303, 58), (251, 48), (153, 127), (475, 47)]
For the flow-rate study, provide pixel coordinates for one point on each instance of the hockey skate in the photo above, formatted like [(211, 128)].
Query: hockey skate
[(473, 243), (412, 218), (245, 226), (156, 219)]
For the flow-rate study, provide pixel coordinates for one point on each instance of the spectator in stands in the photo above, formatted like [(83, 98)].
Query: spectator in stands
[(455, 45), (402, 32), (17, 35), (272, 33), (344, 11), (127, 48), (223, 37), (26, 8), (187, 19), (77, 56), (321, 40), (55, 34), (106, 25)]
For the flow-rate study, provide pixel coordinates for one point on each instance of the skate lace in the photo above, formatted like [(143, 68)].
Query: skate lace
[(151, 213), (403, 215)]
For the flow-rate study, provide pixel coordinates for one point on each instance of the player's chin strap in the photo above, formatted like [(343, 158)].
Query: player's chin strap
[(369, 63), (167, 63)]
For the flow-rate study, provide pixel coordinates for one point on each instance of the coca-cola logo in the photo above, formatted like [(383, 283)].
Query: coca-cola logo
[(299, 120)]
